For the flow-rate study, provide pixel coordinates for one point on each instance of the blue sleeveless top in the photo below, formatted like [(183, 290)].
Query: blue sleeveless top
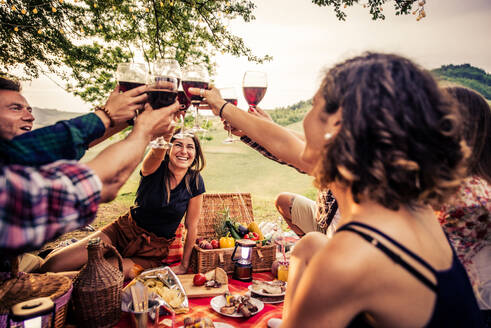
[(455, 304)]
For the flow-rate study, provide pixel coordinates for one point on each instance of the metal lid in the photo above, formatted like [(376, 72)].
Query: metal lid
[(246, 243)]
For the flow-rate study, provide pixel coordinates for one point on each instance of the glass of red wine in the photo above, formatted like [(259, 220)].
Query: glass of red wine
[(230, 95), (162, 90), (195, 76), (254, 86), (130, 76)]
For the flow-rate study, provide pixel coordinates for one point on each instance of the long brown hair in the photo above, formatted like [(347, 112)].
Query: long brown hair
[(193, 171), (399, 142), (477, 130)]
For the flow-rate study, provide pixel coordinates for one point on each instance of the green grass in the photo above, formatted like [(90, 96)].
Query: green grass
[(232, 168)]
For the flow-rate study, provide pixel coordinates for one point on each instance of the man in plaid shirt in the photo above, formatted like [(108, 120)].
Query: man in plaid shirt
[(39, 203)]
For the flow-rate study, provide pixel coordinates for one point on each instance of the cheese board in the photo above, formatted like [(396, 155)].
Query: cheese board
[(193, 291)]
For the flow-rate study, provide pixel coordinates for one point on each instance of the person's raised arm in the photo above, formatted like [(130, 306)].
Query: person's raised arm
[(121, 108), (115, 163), (276, 139)]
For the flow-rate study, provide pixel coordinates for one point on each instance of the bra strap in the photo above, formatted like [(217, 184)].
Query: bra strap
[(393, 256)]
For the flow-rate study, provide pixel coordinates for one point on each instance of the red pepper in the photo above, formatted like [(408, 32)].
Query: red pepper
[(246, 236)]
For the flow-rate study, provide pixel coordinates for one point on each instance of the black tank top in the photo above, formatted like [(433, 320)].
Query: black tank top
[(455, 304)]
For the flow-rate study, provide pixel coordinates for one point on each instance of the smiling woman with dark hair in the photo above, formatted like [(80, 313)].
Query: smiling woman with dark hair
[(386, 141), (171, 186)]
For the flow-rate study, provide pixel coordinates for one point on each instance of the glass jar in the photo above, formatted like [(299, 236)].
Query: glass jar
[(283, 270)]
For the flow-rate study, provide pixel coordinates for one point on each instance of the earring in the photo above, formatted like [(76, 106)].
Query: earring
[(327, 136)]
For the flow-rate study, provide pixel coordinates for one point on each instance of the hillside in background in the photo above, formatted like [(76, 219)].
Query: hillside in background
[(466, 75), (45, 116)]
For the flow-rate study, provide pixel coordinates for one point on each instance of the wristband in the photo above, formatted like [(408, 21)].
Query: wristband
[(105, 111), (221, 109)]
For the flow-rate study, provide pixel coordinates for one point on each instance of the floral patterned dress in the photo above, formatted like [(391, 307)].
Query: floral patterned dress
[(466, 219)]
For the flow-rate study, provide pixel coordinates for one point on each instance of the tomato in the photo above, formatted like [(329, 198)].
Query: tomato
[(246, 236), (199, 279), (215, 243)]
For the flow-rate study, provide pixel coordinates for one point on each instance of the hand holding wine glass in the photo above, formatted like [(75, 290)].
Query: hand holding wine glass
[(125, 106)]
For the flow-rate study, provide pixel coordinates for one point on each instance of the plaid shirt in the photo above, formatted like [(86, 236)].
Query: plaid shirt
[(39, 204), (64, 140), (327, 207)]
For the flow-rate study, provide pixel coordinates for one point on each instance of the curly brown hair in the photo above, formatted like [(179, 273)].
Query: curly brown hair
[(399, 142)]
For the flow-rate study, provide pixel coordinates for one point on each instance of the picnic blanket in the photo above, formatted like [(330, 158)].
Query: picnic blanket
[(200, 307)]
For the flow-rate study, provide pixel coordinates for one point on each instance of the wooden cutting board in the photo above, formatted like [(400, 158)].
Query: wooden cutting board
[(193, 291)]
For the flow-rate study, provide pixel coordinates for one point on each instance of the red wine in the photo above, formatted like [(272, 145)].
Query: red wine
[(194, 84), (161, 98), (232, 101), (171, 79), (183, 100), (125, 85), (254, 95)]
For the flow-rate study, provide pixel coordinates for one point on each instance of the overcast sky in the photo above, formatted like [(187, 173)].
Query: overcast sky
[(305, 39)]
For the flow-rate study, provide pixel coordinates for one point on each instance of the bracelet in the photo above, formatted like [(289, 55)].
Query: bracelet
[(105, 111), (221, 109)]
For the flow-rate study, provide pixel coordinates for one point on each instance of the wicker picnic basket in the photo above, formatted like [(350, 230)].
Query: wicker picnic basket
[(19, 287), (239, 206)]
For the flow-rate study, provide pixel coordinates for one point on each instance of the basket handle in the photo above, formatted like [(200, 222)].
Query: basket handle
[(259, 254), (118, 256)]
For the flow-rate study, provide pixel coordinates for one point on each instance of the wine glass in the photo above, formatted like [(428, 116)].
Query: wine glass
[(129, 76), (195, 76), (254, 86), (184, 103), (229, 95), (162, 91)]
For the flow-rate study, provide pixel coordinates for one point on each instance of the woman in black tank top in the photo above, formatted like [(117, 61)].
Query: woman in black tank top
[(387, 142)]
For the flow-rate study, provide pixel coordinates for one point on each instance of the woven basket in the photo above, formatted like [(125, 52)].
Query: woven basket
[(239, 206), (97, 289), (21, 287)]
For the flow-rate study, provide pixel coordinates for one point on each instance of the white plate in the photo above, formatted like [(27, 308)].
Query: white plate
[(264, 294), (218, 302), (280, 299), (218, 325)]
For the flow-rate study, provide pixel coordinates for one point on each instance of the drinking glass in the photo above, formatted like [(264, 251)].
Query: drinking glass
[(184, 103), (162, 90), (254, 86), (195, 76), (229, 95), (131, 75)]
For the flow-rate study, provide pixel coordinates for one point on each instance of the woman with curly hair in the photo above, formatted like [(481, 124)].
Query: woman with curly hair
[(386, 140), (466, 217)]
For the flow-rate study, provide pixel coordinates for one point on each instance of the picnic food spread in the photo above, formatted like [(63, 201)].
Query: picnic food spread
[(240, 304), (166, 285)]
